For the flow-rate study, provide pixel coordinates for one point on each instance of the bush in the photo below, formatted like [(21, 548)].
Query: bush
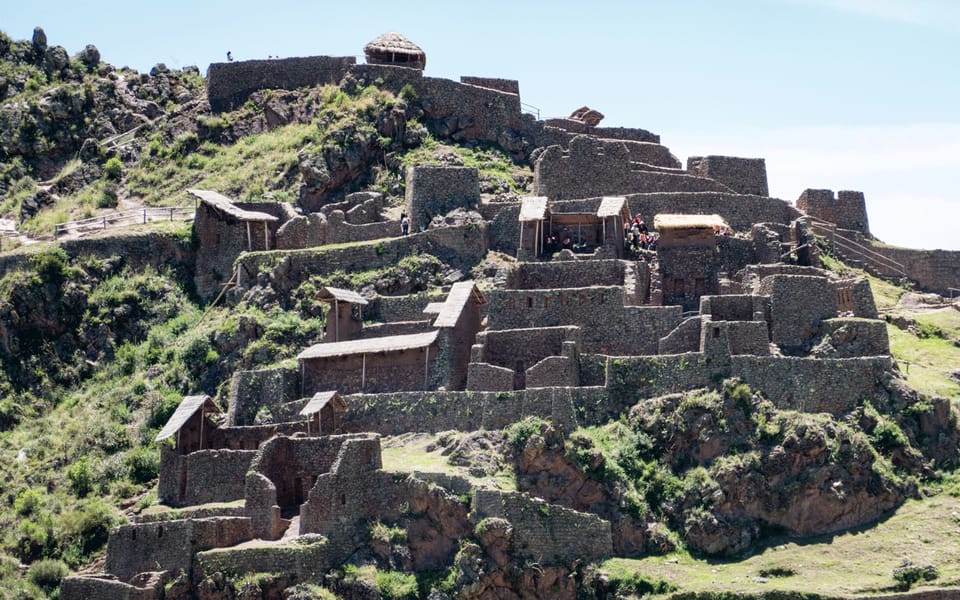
[(113, 168), (47, 574), (908, 574), (87, 528), (144, 464), (888, 436), (396, 585), (80, 476), (109, 197), (52, 264), (27, 502), (519, 433), (639, 585)]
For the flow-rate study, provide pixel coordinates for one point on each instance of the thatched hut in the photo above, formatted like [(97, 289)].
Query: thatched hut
[(394, 49)]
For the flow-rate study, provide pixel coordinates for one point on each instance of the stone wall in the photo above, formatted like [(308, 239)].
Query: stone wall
[(798, 303), (503, 232), (106, 587), (932, 270), (850, 337), (223, 238), (590, 167), (685, 338), (814, 385), (461, 247), (230, 84), (169, 545), (394, 414), (742, 175), (572, 128), (205, 476), (250, 390), (508, 86), (738, 210), (608, 327), (847, 211), (303, 560), (433, 191), (136, 250), (547, 533), (402, 370), (565, 274)]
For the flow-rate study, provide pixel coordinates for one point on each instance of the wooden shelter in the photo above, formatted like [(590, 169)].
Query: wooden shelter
[(393, 48), (323, 412), (345, 315), (688, 230), (225, 206), (187, 422), (534, 223)]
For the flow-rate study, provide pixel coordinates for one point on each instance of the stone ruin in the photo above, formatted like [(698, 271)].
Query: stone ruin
[(575, 334)]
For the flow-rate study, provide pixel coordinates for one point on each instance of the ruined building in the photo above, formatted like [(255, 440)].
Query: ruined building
[(576, 331)]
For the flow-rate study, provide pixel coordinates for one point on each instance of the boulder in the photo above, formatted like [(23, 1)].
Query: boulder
[(39, 41), (56, 59), (89, 56)]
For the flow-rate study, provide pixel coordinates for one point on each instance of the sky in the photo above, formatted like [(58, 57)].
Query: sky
[(834, 94)]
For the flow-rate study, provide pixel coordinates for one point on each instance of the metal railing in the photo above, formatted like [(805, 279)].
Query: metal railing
[(844, 244), (530, 109), (126, 218)]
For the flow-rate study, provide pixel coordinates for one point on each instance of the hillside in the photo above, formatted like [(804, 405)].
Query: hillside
[(704, 471)]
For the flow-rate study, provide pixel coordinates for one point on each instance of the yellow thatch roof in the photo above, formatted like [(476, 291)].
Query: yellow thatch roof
[(668, 221)]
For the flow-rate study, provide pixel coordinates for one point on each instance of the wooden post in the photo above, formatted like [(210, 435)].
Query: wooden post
[(336, 320), (426, 367), (266, 236), (249, 238), (144, 215), (363, 373)]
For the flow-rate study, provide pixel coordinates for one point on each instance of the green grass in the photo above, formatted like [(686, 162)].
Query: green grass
[(408, 453), (926, 362), (851, 563)]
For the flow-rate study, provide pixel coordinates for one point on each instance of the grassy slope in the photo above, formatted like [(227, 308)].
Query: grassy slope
[(859, 561)]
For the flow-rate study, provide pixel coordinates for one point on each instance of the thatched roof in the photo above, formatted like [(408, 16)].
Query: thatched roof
[(188, 406), (533, 208), (393, 43), (320, 399), (611, 206), (226, 206), (457, 299), (667, 221), (329, 294), (393, 343)]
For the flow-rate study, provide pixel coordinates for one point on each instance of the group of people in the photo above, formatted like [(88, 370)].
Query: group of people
[(554, 243), (636, 236)]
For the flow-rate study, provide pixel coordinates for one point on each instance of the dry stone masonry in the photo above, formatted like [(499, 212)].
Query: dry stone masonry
[(582, 327)]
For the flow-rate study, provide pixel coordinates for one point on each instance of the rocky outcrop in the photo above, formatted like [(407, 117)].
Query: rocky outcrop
[(747, 466)]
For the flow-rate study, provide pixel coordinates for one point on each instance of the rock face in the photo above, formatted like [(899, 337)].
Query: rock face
[(747, 466)]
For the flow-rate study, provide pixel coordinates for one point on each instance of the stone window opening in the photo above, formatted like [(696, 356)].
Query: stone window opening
[(512, 304), (546, 301), (716, 332), (133, 534), (160, 531), (343, 499), (564, 299), (602, 298), (529, 301)]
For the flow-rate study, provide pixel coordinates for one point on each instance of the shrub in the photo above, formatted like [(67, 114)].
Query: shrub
[(52, 264), (27, 502), (396, 585), (519, 433), (639, 585), (109, 197), (144, 464), (80, 476), (47, 574), (86, 528), (113, 168), (888, 436), (908, 574)]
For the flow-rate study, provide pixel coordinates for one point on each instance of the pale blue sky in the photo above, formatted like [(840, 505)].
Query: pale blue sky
[(838, 94)]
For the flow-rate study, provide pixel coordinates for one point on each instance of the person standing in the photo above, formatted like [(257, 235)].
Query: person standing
[(404, 224)]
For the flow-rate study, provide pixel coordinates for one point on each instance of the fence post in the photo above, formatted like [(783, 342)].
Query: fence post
[(144, 215), (104, 221)]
